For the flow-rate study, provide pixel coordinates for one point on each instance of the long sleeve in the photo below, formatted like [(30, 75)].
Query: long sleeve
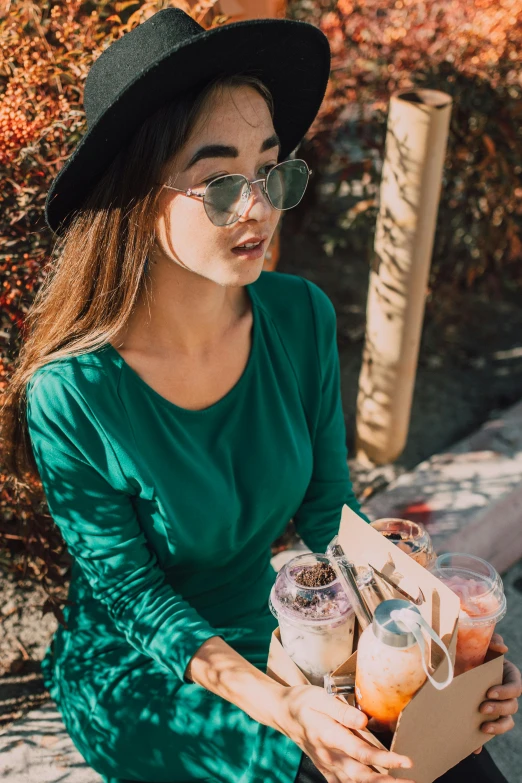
[(97, 519), (317, 520)]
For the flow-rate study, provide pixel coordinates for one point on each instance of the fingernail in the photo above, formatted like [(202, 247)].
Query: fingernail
[(489, 708), (493, 695), (490, 730)]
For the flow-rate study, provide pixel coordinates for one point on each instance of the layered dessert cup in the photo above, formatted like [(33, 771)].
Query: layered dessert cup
[(315, 616)]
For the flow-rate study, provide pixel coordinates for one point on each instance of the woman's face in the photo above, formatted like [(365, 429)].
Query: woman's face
[(237, 118)]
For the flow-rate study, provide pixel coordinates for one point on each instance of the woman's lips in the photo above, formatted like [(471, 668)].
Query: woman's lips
[(250, 253)]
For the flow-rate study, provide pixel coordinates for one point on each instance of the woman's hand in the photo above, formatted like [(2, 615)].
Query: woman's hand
[(317, 722), (503, 698)]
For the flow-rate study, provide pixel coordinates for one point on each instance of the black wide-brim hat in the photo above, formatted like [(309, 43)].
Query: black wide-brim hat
[(169, 54)]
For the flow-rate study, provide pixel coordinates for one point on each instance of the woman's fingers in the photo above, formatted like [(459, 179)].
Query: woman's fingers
[(505, 696), (495, 709), (351, 717), (335, 778), (505, 701), (342, 712), (369, 755), (353, 757), (497, 644), (511, 687), (359, 773), (500, 726)]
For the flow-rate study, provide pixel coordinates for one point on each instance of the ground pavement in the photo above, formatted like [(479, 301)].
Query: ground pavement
[(470, 499)]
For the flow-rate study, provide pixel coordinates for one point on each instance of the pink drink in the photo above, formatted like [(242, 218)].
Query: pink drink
[(410, 537), (482, 604)]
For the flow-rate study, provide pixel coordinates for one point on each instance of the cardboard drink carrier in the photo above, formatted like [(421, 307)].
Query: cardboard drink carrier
[(438, 728)]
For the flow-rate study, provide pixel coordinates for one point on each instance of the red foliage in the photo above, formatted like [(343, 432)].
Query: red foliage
[(467, 48), (46, 50)]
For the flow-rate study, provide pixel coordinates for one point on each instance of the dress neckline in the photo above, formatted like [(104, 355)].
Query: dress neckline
[(133, 375)]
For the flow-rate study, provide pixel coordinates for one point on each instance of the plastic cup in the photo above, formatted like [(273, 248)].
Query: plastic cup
[(411, 537), (482, 604), (316, 623), (390, 667)]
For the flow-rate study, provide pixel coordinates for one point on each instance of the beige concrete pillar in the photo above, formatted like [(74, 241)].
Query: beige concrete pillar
[(416, 139)]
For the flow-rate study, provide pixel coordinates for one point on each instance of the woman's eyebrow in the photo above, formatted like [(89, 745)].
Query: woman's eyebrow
[(223, 151)]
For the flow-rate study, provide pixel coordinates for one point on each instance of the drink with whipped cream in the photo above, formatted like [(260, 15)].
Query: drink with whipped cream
[(315, 616)]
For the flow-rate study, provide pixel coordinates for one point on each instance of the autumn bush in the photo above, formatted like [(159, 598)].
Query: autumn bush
[(46, 50), (468, 48)]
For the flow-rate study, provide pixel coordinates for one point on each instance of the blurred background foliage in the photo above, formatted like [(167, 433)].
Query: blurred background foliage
[(46, 50), (467, 48)]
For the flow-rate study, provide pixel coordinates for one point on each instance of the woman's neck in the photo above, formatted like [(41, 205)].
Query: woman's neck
[(180, 312)]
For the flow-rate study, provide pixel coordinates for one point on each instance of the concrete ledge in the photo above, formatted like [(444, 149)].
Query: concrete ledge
[(470, 497), (495, 534)]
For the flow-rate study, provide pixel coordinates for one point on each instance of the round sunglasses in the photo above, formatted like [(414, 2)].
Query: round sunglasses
[(225, 198)]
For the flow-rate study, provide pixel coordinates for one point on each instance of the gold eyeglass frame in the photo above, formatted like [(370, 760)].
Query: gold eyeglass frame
[(244, 198)]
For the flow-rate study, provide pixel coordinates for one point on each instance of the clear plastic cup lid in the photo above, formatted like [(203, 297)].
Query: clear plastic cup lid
[(299, 595), (407, 535), (476, 582)]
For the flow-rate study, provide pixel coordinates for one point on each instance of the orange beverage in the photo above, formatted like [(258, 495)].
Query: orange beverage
[(389, 666)]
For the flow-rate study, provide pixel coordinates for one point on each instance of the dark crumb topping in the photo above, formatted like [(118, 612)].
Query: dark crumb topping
[(393, 536), (317, 575)]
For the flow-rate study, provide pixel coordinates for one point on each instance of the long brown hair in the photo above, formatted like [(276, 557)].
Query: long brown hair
[(90, 290)]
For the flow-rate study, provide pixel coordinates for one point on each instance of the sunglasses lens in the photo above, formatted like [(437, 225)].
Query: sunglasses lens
[(224, 199), (287, 183)]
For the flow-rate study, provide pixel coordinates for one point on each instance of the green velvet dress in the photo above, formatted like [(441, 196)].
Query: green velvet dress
[(169, 515)]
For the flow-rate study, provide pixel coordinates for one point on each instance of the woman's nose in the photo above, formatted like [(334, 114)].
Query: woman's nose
[(258, 205)]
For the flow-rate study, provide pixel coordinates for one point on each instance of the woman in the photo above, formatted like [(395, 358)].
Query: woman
[(182, 406)]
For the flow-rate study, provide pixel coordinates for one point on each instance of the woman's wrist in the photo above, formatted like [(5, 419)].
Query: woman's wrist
[(217, 667), (269, 706)]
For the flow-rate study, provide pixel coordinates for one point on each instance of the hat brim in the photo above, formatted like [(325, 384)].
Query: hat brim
[(291, 57)]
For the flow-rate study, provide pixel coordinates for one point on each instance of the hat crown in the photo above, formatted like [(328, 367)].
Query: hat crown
[(128, 57), (171, 55)]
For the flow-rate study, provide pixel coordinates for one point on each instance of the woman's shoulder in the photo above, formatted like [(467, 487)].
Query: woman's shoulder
[(79, 376), (280, 292), (73, 408)]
